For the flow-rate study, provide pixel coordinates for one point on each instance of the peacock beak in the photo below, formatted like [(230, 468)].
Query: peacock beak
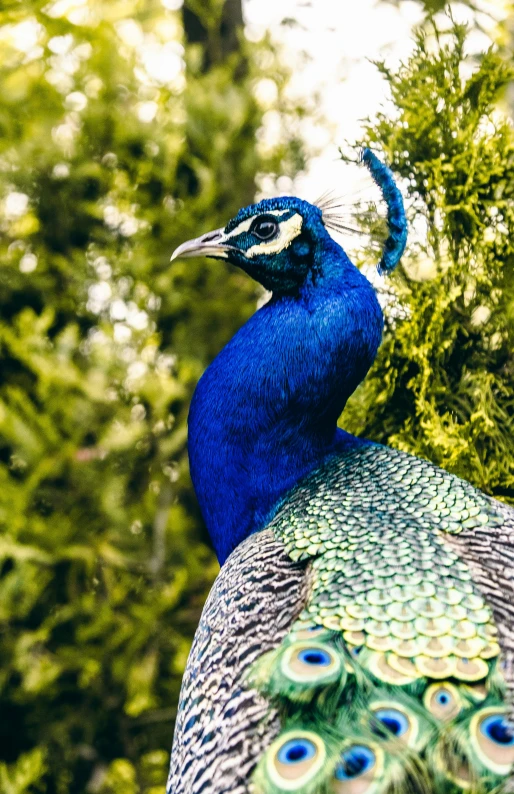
[(210, 244)]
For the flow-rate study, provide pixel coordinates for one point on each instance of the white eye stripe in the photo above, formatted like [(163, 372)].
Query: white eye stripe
[(245, 225), (288, 230)]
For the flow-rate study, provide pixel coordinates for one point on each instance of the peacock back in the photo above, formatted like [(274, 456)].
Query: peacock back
[(353, 646)]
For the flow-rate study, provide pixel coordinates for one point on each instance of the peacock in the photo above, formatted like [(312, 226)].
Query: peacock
[(359, 638)]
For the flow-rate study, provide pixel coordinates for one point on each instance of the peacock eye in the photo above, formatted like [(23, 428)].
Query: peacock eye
[(498, 729), (296, 750), (492, 736), (393, 721), (264, 227), (355, 761)]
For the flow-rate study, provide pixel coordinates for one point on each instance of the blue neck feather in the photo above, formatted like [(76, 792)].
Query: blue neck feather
[(265, 412)]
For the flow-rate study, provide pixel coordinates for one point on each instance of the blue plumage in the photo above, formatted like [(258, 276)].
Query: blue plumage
[(285, 377), (396, 220)]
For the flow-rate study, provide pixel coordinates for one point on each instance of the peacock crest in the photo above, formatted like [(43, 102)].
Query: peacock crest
[(394, 245)]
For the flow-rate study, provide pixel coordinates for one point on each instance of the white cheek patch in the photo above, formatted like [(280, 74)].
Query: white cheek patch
[(288, 231), (244, 226)]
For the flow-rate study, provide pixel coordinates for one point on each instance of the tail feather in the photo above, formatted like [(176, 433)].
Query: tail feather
[(348, 731), (420, 705)]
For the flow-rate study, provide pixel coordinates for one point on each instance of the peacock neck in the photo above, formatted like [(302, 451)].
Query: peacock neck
[(265, 412)]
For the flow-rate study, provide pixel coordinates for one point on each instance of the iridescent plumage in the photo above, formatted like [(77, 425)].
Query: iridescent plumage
[(358, 639), (396, 649)]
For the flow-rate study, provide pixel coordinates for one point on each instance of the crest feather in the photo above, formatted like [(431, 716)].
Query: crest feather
[(330, 205)]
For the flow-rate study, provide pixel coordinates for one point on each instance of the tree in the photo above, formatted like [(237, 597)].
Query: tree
[(443, 383), (119, 139)]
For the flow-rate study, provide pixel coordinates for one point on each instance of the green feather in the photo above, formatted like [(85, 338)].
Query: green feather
[(466, 755), (308, 774), (389, 681), (302, 669)]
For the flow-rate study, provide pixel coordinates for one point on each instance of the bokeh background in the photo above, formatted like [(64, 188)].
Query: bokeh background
[(127, 127)]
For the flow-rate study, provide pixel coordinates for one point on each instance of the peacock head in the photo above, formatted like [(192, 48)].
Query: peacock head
[(274, 241), (278, 241)]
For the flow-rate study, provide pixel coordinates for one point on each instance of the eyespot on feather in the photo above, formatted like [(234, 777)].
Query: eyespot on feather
[(492, 737), (314, 657), (443, 701), (296, 751), (389, 721), (306, 662), (294, 759), (358, 769)]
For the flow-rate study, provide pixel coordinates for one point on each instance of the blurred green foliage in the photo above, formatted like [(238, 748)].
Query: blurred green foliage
[(119, 139), (443, 384), (128, 126)]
